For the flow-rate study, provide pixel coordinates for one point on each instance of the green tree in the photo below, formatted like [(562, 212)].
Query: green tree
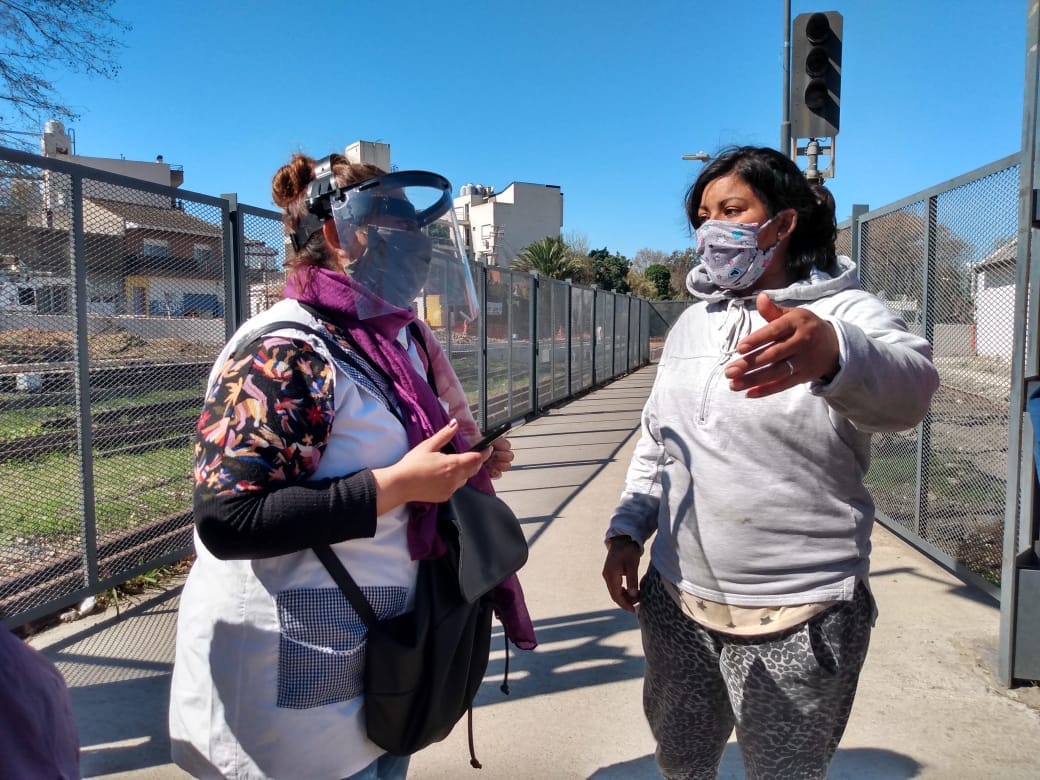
[(639, 284), (582, 271), (40, 39), (893, 256), (679, 266), (549, 257), (611, 270), (647, 257), (660, 277)]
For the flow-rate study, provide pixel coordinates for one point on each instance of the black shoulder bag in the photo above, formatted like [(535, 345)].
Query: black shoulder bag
[(423, 668)]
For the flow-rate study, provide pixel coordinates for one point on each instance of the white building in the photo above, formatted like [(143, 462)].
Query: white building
[(995, 300), (498, 226), (371, 152), (57, 143)]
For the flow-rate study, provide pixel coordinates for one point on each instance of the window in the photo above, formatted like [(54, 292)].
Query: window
[(202, 253), (53, 299), (155, 247), (26, 296)]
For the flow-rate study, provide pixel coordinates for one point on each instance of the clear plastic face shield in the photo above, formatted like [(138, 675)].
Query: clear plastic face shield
[(401, 241)]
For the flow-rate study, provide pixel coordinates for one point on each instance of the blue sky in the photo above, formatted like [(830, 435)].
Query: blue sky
[(601, 98)]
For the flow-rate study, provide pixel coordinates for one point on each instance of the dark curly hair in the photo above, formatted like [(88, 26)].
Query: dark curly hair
[(780, 185)]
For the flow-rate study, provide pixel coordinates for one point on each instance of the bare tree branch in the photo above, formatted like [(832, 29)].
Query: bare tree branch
[(39, 37)]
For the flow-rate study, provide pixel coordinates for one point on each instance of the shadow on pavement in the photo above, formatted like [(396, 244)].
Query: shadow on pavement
[(851, 764), (118, 673), (576, 651)]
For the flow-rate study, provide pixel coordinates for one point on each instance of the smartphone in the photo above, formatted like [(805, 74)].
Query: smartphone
[(490, 436)]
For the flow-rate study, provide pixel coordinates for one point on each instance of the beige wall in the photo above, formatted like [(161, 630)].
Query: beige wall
[(512, 219)]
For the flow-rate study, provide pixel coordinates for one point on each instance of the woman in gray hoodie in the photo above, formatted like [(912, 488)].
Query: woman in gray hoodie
[(755, 610)]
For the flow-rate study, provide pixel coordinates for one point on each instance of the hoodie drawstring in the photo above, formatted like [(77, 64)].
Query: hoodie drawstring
[(732, 332)]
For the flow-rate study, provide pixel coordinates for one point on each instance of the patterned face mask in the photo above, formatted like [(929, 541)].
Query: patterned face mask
[(730, 254)]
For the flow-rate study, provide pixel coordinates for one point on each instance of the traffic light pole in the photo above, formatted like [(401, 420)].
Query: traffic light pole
[(785, 125)]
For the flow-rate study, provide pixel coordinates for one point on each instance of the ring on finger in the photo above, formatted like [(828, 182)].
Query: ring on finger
[(790, 366)]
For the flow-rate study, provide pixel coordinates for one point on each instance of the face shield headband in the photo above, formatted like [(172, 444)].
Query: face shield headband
[(323, 191), (400, 240)]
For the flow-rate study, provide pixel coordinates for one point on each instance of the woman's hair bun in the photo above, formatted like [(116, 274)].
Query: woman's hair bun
[(291, 180)]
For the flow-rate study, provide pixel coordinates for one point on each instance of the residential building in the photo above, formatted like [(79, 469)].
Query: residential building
[(995, 300), (498, 226), (56, 142), (145, 254), (371, 152)]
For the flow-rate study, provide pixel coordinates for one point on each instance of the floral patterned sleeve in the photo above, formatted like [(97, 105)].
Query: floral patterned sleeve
[(262, 432)]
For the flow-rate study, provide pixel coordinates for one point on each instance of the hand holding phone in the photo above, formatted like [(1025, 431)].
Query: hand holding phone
[(490, 436)]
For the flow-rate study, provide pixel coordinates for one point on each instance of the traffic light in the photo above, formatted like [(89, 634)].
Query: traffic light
[(816, 74)]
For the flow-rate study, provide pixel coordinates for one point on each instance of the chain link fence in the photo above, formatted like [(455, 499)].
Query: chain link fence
[(115, 297), (945, 261)]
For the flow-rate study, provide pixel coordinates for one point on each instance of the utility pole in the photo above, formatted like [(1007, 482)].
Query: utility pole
[(785, 124)]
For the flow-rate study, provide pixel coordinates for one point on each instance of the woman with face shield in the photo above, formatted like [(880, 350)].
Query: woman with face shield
[(755, 610), (299, 446)]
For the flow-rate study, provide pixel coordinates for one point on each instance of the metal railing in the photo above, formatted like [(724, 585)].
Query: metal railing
[(944, 259)]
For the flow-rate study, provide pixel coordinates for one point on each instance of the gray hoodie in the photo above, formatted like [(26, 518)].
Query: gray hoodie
[(761, 502)]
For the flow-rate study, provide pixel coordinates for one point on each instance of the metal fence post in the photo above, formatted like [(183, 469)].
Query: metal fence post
[(613, 334), (592, 335), (510, 324), (569, 308), (78, 271), (858, 210), (532, 334), (633, 334), (235, 309), (1019, 617), (924, 428), (482, 347)]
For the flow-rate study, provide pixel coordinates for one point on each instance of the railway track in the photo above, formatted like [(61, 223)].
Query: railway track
[(137, 435)]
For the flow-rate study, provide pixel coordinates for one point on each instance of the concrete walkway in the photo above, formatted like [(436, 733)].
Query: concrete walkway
[(928, 705)]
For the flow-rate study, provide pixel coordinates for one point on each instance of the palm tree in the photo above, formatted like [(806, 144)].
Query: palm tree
[(549, 257)]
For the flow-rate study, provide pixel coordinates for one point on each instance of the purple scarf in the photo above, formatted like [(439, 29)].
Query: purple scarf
[(423, 415)]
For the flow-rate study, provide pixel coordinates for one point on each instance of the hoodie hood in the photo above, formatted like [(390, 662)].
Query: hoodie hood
[(819, 285)]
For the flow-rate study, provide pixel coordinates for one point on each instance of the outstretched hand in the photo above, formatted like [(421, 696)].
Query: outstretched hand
[(425, 473), (794, 346)]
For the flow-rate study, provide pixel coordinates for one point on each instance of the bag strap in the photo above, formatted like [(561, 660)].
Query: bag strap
[(346, 584), (413, 330)]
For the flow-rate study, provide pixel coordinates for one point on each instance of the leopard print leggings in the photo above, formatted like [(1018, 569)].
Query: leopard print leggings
[(789, 694)]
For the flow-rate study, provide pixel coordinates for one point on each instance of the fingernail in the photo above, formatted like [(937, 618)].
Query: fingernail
[(453, 422)]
